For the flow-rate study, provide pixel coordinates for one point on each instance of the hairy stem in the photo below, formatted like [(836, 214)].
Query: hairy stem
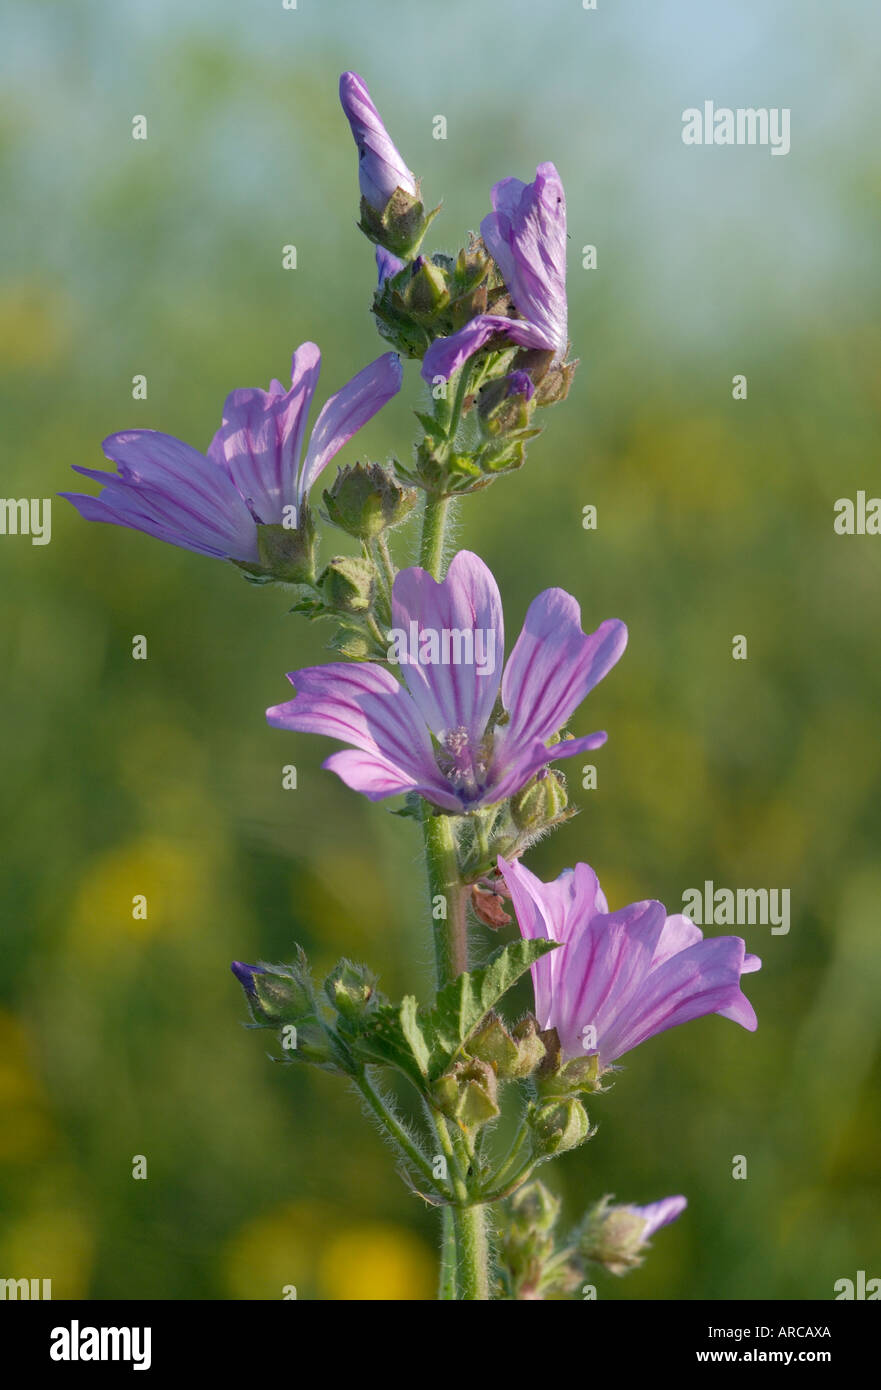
[(465, 1247), (444, 882), (393, 1127), (473, 1253), (434, 524)]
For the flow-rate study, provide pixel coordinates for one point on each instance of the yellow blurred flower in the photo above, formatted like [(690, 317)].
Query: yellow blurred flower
[(377, 1262)]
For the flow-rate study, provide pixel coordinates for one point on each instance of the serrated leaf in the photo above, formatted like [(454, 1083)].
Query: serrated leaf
[(390, 1036), (461, 1005)]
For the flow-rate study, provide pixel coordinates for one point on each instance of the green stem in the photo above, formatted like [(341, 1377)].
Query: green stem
[(434, 523), (473, 1252), (465, 1250), (442, 862), (449, 1287), (388, 563), (392, 1125)]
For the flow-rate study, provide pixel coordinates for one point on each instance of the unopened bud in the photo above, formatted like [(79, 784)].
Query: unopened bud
[(351, 989), (348, 583), (541, 801), (559, 1126), (365, 500)]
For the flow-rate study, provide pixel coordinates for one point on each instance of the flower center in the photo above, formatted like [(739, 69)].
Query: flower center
[(464, 763)]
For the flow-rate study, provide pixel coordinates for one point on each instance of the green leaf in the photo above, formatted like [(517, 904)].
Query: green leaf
[(422, 1043), (461, 1005), (390, 1036), (430, 425)]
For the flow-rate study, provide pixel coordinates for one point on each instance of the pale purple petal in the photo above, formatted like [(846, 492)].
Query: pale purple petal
[(551, 912), (387, 264), (262, 434), (363, 705), (381, 168), (466, 606), (661, 1213), (627, 974), (703, 979), (169, 490), (554, 665), (346, 412), (526, 236), (447, 355), (607, 962), (514, 764)]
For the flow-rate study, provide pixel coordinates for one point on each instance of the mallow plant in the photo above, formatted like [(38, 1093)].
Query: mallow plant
[(425, 706)]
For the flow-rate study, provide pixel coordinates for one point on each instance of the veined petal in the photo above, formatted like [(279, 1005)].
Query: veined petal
[(169, 490), (552, 911), (526, 236), (345, 413), (462, 617), (381, 168), (702, 979), (447, 355), (607, 962), (554, 665), (261, 437), (363, 705), (514, 764)]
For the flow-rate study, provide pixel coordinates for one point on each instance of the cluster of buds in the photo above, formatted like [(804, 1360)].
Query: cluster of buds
[(469, 1091), (432, 296), (310, 1025), (531, 1267), (365, 501)]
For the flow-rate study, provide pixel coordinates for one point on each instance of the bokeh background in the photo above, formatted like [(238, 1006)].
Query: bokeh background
[(122, 1037)]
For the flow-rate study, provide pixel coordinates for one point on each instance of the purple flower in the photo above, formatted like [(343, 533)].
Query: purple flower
[(620, 977), (380, 167), (252, 473), (437, 734), (526, 236)]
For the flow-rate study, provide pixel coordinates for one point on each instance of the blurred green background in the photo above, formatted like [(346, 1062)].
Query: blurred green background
[(121, 1037)]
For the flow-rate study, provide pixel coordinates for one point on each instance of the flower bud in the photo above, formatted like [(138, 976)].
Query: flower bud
[(400, 225), (555, 384), (613, 1236), (276, 994), (365, 500), (467, 1093), (348, 584), (351, 989), (426, 294), (541, 801), (577, 1075), (534, 1208), (530, 1048), (559, 1126), (492, 1043)]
